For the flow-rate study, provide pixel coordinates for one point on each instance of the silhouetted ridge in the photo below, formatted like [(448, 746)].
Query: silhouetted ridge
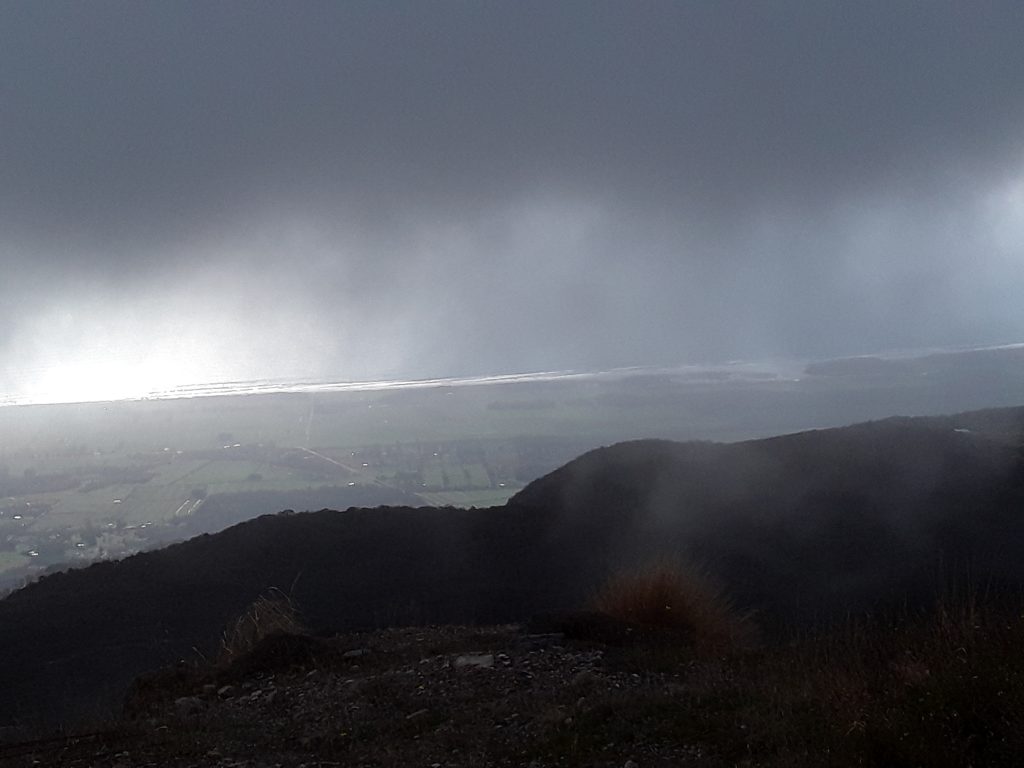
[(816, 522)]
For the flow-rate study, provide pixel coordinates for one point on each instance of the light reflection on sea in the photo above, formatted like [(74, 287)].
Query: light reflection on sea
[(735, 371), (691, 373)]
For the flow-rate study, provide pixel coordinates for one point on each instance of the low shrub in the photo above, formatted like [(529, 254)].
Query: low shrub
[(270, 613), (668, 595)]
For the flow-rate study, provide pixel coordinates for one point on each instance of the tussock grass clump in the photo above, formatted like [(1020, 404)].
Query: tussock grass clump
[(269, 614), (669, 595)]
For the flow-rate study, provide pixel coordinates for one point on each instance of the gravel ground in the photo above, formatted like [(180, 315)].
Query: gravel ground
[(438, 697)]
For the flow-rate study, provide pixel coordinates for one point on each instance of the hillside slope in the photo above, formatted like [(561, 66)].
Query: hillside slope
[(816, 523)]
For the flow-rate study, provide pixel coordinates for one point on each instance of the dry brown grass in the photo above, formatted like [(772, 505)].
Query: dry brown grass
[(943, 688), (670, 595), (268, 614)]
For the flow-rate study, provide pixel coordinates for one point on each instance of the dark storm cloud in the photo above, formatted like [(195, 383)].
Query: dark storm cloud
[(151, 116), (738, 177)]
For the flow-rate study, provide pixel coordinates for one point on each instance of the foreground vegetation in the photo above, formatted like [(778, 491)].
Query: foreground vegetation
[(681, 680), (942, 689), (942, 686)]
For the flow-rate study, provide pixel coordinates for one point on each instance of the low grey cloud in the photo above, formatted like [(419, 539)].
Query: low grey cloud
[(374, 189)]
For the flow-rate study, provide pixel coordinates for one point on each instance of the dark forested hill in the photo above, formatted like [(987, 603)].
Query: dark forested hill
[(800, 527), (818, 523)]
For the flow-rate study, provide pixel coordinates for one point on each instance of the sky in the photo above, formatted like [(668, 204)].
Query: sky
[(195, 191)]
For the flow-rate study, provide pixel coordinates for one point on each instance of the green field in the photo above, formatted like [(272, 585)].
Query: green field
[(10, 560)]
